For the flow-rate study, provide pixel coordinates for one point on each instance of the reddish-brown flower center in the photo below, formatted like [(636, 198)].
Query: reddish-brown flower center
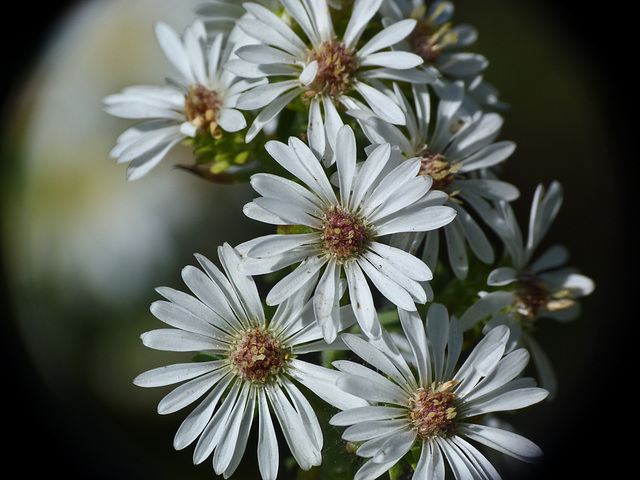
[(427, 40), (257, 356), (336, 69), (201, 108), (433, 410), (344, 233), (436, 166)]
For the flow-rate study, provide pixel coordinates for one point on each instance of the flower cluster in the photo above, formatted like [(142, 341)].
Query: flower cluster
[(369, 137)]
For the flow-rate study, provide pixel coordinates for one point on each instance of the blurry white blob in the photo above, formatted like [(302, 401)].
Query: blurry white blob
[(76, 223)]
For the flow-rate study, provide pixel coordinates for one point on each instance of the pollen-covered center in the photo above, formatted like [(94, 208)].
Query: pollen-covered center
[(433, 410), (202, 106), (427, 40), (534, 295), (336, 68), (344, 233), (257, 356), (436, 166)]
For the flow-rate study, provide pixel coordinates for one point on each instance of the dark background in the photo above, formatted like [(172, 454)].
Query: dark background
[(591, 429)]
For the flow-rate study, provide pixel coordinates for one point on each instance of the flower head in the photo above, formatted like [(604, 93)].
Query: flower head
[(320, 65), (528, 289), (443, 47), (435, 410), (200, 103), (340, 232), (253, 369), (456, 151)]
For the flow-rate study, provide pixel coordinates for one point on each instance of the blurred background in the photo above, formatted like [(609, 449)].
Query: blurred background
[(83, 249)]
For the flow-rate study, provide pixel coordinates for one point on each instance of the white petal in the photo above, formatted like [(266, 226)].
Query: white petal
[(307, 271), (502, 440), (264, 94), (268, 456), (369, 385), (395, 59), (362, 301), (172, 340), (362, 12), (170, 374), (381, 104), (277, 244), (366, 414), (388, 36), (416, 219), (231, 120), (197, 420), (326, 301), (173, 48)]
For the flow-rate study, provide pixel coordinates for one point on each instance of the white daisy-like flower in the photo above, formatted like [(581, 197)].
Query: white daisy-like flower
[(201, 102), (443, 47), (436, 413), (528, 288), (255, 370), (321, 66), (340, 232), (455, 151)]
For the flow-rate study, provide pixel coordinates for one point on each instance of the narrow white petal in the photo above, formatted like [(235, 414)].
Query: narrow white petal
[(172, 340), (189, 392), (276, 244), (268, 455), (231, 120), (485, 306), (362, 301), (388, 36), (366, 414), (346, 161), (366, 430), (235, 433), (418, 220), (363, 11), (396, 447), (369, 385), (502, 440), (373, 356), (212, 434), (294, 432), (307, 271), (381, 104), (393, 291), (395, 59), (415, 334), (326, 301), (197, 420), (403, 261), (264, 94), (323, 382), (173, 48), (171, 374)]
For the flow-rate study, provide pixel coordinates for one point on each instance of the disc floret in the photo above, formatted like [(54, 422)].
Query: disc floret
[(202, 106), (336, 69), (433, 411), (438, 168), (257, 356), (345, 234)]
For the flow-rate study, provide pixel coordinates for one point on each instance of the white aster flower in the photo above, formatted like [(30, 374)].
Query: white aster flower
[(202, 101), (528, 288), (455, 151), (340, 232), (255, 370), (323, 67), (443, 47), (436, 413)]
